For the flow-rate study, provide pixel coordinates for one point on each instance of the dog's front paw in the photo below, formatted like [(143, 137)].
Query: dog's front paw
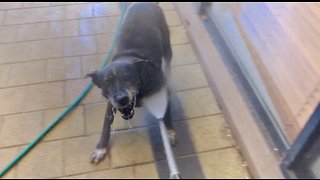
[(98, 155), (172, 137)]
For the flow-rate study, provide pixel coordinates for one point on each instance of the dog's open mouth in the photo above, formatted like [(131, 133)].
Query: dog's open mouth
[(128, 111)]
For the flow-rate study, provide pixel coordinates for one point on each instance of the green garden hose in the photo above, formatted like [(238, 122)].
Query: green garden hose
[(70, 108)]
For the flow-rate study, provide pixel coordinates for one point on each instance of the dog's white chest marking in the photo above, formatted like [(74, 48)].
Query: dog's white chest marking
[(158, 102)]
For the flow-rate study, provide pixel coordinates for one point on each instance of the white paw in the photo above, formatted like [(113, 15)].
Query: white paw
[(172, 137), (98, 155)]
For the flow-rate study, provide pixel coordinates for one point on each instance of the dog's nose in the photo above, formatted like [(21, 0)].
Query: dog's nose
[(122, 99)]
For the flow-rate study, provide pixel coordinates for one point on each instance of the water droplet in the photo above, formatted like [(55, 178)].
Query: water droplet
[(244, 164)]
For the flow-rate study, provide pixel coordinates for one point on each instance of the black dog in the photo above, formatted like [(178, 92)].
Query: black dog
[(137, 69)]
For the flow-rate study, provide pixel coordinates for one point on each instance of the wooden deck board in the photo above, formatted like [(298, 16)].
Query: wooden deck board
[(284, 39)]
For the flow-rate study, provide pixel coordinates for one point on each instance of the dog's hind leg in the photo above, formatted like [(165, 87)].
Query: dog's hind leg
[(168, 53), (101, 148), (166, 44), (167, 56), (168, 123)]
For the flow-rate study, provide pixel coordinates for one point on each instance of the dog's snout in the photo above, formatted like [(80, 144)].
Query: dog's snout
[(122, 99)]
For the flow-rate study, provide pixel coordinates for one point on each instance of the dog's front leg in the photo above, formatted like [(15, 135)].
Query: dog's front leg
[(101, 148)]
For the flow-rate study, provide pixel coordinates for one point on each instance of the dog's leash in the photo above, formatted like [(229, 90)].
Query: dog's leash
[(29, 147)]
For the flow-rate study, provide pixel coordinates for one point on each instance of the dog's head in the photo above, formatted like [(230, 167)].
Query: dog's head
[(120, 83)]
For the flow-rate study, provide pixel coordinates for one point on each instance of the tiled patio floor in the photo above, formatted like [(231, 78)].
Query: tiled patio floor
[(46, 49)]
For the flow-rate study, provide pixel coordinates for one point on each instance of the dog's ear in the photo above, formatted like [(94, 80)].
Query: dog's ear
[(95, 77)]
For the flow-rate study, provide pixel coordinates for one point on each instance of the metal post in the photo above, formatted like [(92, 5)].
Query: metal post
[(174, 172)]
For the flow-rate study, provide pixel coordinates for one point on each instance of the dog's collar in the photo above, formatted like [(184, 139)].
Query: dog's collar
[(137, 60)]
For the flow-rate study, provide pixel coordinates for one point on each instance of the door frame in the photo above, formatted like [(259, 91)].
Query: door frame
[(301, 147)]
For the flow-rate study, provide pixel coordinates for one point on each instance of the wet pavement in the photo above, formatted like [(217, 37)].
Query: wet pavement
[(46, 49)]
